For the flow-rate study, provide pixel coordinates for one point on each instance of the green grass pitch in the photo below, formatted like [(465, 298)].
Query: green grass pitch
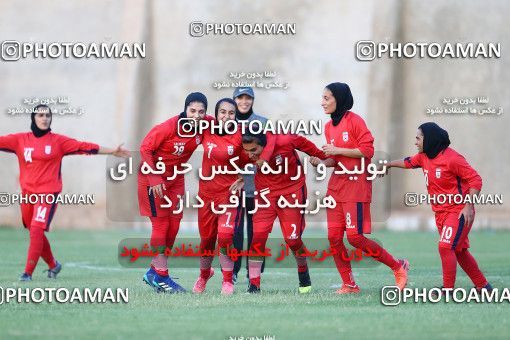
[(90, 260)]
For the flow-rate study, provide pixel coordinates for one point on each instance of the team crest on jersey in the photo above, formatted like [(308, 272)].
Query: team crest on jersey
[(47, 149), (278, 159), (345, 136), (438, 173), (230, 150), (27, 152)]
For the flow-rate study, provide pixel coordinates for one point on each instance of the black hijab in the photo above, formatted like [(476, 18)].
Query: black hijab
[(35, 130), (193, 97), (435, 139), (243, 116), (344, 100), (217, 107)]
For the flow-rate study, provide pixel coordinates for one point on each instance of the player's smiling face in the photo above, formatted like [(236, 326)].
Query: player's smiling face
[(43, 118), (253, 150), (195, 110), (328, 102), (244, 103), (419, 141), (226, 112)]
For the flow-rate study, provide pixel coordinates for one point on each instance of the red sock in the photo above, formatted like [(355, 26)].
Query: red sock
[(255, 281), (343, 265), (205, 266), (46, 254), (160, 272), (449, 263), (160, 265), (468, 263), (205, 273), (370, 246), (302, 265), (302, 269), (173, 229), (34, 249), (227, 275)]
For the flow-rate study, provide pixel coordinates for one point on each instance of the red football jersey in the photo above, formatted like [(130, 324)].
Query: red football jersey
[(218, 150), (285, 147), (40, 159), (447, 173), (351, 133), (164, 141)]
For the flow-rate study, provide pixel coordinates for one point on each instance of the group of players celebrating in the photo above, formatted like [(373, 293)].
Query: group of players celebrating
[(348, 142)]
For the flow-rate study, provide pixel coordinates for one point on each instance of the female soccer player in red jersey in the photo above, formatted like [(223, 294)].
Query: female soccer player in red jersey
[(448, 173), (40, 154), (219, 149), (288, 185), (350, 142), (167, 143)]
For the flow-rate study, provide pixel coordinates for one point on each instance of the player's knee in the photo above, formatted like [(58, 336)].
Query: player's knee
[(445, 248), (160, 223), (224, 240), (160, 227), (356, 240), (335, 242), (174, 222), (158, 241), (36, 232), (158, 238), (294, 244), (170, 239), (259, 242), (208, 243), (460, 251)]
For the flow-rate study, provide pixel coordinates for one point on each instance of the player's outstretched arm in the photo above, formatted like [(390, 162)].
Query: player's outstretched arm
[(119, 151), (72, 146), (8, 143), (399, 163)]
